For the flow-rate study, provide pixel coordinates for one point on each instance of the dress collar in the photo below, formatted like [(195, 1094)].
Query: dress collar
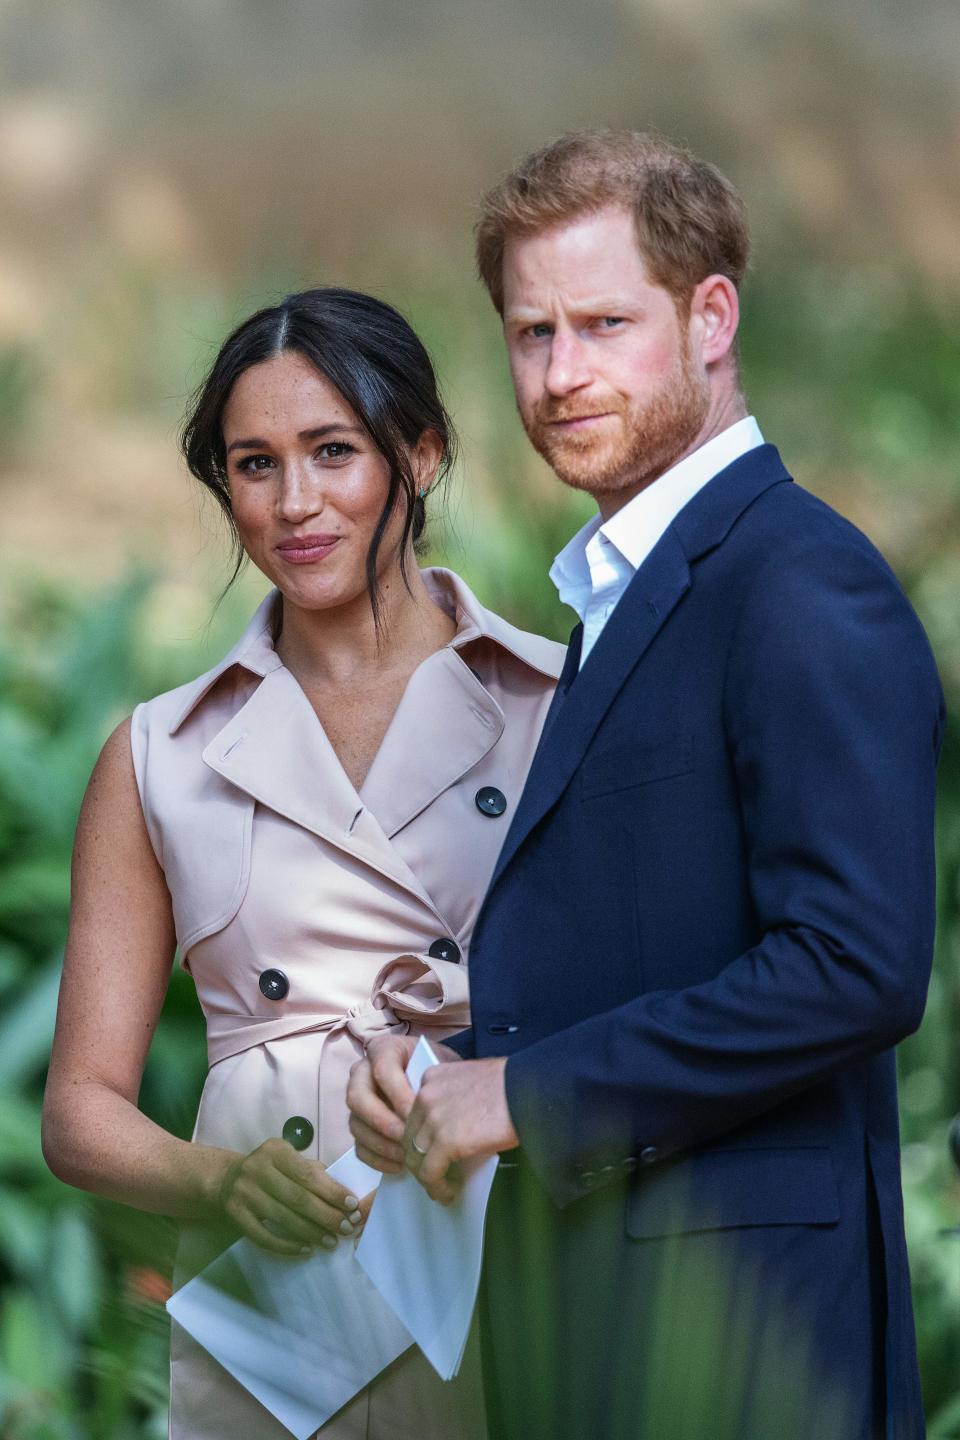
[(255, 650)]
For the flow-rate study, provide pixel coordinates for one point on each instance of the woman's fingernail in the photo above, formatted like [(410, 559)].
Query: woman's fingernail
[(355, 1218), (329, 1242), (351, 1202), (345, 1227)]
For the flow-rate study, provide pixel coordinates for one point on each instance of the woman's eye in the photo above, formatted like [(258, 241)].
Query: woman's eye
[(335, 450), (254, 464)]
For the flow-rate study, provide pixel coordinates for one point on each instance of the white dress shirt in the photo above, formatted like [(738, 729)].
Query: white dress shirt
[(596, 566)]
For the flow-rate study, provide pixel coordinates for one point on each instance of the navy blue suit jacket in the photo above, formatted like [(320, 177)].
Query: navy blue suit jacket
[(713, 916)]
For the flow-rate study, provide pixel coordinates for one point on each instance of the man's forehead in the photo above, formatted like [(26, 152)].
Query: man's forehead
[(588, 259)]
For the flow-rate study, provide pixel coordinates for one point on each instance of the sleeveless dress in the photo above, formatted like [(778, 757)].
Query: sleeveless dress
[(312, 915)]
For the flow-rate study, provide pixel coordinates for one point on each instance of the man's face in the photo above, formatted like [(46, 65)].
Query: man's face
[(607, 384)]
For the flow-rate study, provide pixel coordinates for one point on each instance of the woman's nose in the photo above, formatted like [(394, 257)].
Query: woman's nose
[(300, 493)]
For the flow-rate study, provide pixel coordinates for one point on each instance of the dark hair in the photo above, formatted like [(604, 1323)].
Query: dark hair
[(370, 354)]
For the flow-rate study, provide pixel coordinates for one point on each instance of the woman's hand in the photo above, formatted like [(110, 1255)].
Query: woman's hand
[(286, 1203), (379, 1098)]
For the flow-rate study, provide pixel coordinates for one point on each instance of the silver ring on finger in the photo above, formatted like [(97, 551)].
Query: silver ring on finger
[(413, 1141)]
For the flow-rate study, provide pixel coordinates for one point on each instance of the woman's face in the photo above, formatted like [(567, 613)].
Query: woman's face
[(307, 484)]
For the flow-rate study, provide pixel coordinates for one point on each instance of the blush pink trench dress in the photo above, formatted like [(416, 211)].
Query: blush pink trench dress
[(312, 916)]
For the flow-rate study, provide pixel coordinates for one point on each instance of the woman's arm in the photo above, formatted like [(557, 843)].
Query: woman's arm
[(117, 965)]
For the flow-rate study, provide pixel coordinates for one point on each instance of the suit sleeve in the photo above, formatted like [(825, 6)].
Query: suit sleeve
[(463, 1044), (833, 714)]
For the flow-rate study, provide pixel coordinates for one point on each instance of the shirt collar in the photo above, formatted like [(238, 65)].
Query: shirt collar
[(255, 650), (647, 515)]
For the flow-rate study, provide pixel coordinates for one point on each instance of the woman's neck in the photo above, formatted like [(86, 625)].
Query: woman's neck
[(340, 645)]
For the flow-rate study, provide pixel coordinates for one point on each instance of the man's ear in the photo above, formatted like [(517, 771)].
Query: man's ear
[(714, 317), (425, 459)]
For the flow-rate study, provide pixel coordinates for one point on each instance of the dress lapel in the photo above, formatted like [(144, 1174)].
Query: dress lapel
[(582, 700), (276, 750), (445, 724)]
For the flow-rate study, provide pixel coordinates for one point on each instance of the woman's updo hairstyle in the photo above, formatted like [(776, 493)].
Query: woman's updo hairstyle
[(374, 359)]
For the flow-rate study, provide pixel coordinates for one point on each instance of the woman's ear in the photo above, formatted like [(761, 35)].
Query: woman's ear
[(425, 460)]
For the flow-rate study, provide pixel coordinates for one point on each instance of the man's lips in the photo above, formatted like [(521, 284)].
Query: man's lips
[(574, 422), (302, 549)]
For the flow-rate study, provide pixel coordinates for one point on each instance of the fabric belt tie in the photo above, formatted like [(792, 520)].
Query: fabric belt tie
[(409, 991)]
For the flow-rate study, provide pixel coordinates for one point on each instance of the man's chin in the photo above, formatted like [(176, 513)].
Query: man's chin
[(595, 474)]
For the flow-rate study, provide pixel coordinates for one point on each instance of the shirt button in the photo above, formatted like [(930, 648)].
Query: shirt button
[(445, 949), (649, 1154), (298, 1132), (628, 1164), (274, 984), (490, 801)]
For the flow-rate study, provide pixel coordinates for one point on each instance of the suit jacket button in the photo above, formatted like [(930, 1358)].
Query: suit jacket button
[(587, 1179), (274, 984), (298, 1132), (445, 949), (649, 1154), (628, 1164), (490, 801)]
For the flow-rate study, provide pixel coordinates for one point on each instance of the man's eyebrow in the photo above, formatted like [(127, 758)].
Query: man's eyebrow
[(590, 305), (336, 427)]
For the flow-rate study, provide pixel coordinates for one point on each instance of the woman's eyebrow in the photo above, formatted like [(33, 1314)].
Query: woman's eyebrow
[(335, 427)]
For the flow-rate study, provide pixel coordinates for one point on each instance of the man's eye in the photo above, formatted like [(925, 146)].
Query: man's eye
[(609, 322), (254, 464), (538, 332)]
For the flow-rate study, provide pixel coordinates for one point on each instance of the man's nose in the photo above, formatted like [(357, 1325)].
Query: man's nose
[(568, 368)]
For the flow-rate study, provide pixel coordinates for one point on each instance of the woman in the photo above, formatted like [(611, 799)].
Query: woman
[(313, 822)]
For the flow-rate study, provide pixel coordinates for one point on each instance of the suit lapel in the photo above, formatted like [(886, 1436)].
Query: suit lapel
[(644, 608), (276, 750)]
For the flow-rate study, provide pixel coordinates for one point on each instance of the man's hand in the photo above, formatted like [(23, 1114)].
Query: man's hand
[(379, 1098), (460, 1114)]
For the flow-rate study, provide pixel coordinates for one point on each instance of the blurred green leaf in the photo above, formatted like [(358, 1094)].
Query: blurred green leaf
[(24, 1228), (26, 1028), (24, 1347), (74, 1268)]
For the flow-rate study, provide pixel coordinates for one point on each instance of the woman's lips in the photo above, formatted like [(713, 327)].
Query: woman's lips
[(304, 549)]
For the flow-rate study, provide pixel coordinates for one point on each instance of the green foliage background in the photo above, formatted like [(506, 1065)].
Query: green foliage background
[(856, 376)]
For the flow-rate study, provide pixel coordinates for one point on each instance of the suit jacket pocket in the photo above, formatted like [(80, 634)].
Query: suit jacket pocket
[(635, 763), (724, 1189)]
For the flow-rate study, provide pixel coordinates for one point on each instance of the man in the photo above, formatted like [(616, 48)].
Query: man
[(712, 917)]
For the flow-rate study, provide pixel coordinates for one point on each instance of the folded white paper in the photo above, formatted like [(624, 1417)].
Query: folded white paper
[(305, 1335), (425, 1258)]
